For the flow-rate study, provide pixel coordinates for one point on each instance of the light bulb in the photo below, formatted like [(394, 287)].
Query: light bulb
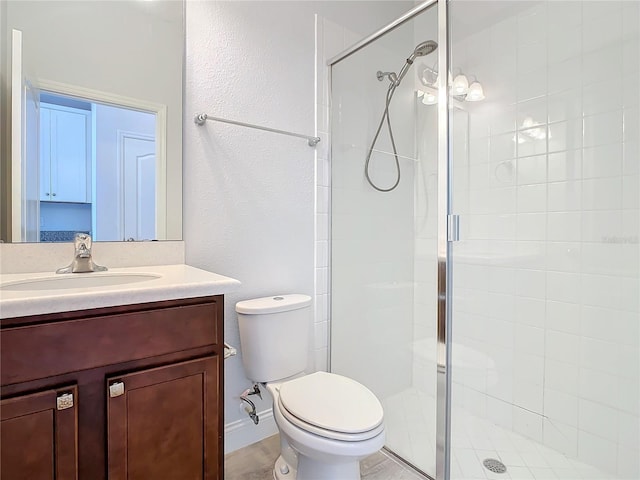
[(518, 138), (430, 96), (429, 76), (475, 93), (460, 85), (527, 123), (430, 99)]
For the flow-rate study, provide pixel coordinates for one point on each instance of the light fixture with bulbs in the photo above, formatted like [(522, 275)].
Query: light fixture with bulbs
[(461, 89)]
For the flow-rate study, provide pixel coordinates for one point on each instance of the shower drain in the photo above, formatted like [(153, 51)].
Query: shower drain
[(496, 466)]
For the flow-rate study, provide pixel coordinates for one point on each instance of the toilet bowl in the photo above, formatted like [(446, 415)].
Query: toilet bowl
[(327, 422), (331, 422)]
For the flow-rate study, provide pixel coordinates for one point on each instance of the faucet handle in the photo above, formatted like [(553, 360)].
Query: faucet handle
[(82, 261), (82, 244), (82, 238)]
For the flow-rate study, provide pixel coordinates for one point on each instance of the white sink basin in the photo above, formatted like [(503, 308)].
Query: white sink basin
[(38, 293), (76, 280)]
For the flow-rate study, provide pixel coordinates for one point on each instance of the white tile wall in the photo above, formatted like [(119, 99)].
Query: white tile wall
[(550, 291)]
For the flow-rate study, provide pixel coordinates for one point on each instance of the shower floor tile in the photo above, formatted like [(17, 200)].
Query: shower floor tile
[(474, 439)]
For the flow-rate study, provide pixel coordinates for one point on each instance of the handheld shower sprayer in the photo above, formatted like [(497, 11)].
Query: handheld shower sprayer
[(422, 49)]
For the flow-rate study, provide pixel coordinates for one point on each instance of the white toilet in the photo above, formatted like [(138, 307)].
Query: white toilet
[(327, 422)]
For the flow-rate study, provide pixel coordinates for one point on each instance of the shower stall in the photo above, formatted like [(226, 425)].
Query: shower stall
[(485, 256)]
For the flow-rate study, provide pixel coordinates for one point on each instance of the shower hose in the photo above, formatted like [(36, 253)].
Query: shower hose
[(385, 115)]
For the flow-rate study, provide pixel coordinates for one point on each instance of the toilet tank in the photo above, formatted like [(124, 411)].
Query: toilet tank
[(274, 336)]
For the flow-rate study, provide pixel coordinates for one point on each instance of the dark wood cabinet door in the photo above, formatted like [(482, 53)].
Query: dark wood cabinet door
[(39, 436), (163, 423)]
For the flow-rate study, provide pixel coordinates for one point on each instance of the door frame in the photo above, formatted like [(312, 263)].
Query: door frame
[(16, 135), (24, 224)]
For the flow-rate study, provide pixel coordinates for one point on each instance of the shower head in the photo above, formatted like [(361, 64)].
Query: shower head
[(422, 49)]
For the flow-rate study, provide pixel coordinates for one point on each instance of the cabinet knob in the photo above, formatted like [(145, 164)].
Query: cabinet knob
[(64, 401), (54, 194), (116, 389), (47, 194)]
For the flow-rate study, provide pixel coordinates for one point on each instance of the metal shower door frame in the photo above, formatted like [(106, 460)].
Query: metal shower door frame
[(444, 253), (445, 292)]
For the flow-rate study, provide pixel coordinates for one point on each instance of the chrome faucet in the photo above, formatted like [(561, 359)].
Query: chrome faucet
[(82, 261)]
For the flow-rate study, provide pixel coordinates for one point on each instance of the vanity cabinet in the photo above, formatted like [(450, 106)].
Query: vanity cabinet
[(39, 435), (163, 421), (146, 382)]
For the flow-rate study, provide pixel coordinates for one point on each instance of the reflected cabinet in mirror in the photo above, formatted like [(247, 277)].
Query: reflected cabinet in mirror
[(92, 120)]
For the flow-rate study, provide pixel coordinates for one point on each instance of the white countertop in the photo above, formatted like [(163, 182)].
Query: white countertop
[(173, 282)]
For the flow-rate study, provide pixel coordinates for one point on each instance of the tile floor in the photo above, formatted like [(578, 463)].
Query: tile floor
[(412, 436), (410, 420), (255, 462)]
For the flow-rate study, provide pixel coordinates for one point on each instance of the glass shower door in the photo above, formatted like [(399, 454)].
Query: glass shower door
[(546, 329), (383, 244)]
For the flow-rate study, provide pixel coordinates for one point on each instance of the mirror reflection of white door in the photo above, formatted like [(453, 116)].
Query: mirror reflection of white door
[(25, 158), (139, 184)]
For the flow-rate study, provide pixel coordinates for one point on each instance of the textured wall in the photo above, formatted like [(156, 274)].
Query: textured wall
[(250, 195)]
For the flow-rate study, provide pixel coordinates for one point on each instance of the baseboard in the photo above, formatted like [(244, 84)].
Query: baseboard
[(244, 432)]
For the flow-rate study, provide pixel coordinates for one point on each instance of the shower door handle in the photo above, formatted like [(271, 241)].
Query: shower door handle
[(453, 228)]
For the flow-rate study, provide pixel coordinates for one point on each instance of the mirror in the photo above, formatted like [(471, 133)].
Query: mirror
[(92, 100)]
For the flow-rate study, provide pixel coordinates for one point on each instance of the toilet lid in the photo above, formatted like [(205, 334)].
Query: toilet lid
[(332, 402)]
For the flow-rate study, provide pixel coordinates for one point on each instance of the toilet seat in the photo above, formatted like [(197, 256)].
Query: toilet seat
[(331, 406)]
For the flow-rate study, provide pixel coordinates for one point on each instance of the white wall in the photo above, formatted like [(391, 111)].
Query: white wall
[(65, 216), (250, 195), (546, 277)]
